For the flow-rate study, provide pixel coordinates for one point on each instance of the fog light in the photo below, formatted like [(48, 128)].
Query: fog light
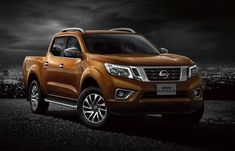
[(123, 93), (197, 93), (120, 93)]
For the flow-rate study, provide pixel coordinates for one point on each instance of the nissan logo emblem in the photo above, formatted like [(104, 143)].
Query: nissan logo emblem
[(164, 74)]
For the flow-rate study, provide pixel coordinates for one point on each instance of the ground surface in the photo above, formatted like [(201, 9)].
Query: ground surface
[(61, 130)]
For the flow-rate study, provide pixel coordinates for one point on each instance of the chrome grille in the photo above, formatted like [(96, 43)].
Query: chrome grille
[(154, 74)]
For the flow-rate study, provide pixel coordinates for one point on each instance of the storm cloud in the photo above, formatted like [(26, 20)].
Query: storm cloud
[(202, 30)]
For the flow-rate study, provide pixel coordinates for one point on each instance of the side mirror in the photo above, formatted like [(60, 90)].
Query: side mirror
[(164, 50), (72, 52), (56, 50)]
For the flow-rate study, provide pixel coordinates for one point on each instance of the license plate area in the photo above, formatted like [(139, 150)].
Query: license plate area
[(166, 89)]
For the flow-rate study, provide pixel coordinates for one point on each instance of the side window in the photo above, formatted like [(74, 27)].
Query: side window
[(73, 42), (73, 49), (58, 46)]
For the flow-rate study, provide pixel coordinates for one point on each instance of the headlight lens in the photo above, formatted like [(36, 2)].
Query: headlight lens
[(193, 70), (119, 70)]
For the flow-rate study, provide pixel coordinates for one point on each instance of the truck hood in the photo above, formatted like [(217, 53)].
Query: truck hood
[(165, 59)]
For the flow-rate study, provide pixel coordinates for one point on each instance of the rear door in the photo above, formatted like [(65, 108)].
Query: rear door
[(51, 65)]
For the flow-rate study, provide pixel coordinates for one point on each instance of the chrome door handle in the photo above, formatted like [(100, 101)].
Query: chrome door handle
[(61, 66), (46, 64)]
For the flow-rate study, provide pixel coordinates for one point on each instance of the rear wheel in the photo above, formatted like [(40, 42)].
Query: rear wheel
[(187, 120), (92, 109), (36, 99)]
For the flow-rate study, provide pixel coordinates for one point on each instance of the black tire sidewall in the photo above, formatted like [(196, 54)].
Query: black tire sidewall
[(82, 97)]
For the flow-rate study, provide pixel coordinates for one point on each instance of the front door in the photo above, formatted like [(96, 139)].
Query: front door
[(70, 70)]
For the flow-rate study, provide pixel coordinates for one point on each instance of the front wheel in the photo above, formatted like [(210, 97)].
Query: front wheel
[(36, 99), (92, 110)]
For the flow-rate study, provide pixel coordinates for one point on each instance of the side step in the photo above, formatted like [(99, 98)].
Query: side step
[(61, 101)]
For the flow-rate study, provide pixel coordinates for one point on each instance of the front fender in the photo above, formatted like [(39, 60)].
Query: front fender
[(98, 75)]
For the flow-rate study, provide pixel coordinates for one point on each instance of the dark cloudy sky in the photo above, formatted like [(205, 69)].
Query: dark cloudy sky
[(203, 30)]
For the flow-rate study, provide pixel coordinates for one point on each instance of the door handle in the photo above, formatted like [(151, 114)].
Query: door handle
[(46, 63), (61, 66)]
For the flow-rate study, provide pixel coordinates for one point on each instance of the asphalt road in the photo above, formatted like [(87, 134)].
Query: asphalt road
[(60, 129)]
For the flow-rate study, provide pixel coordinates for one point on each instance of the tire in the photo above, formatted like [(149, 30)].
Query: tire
[(36, 99), (91, 108), (185, 120)]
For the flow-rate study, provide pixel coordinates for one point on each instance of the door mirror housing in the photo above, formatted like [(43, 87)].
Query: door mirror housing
[(73, 52), (164, 50), (56, 50)]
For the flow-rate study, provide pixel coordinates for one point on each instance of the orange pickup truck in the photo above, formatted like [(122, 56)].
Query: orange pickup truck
[(103, 73)]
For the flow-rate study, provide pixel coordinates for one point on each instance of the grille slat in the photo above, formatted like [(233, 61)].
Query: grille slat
[(153, 74)]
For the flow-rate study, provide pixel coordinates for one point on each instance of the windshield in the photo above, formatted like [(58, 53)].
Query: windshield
[(119, 44)]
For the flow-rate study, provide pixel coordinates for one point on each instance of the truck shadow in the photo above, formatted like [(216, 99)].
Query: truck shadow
[(204, 135)]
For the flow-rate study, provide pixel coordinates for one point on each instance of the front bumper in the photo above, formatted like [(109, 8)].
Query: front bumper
[(145, 101)]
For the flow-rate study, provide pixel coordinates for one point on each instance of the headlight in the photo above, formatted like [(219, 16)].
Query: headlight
[(119, 70), (193, 70)]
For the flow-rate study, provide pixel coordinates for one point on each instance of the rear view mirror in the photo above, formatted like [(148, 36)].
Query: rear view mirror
[(164, 50), (72, 52)]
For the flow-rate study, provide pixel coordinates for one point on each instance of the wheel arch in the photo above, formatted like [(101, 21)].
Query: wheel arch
[(92, 77), (34, 74), (88, 82)]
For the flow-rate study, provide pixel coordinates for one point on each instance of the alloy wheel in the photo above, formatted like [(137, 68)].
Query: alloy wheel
[(94, 108), (34, 97)]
